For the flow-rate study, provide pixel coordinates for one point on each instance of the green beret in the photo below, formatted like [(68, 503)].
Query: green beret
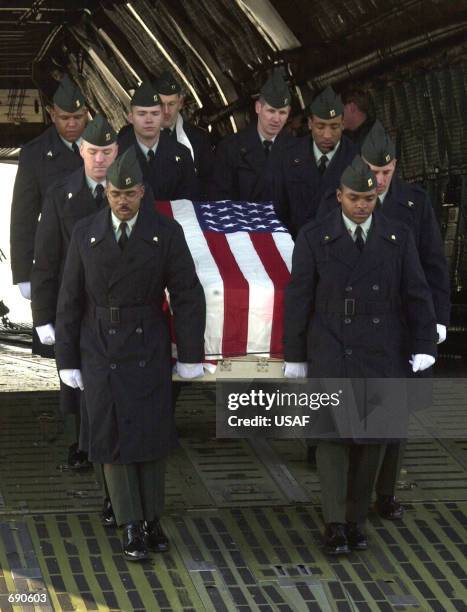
[(167, 85), (125, 172), (99, 132), (68, 96), (145, 95), (275, 91), (358, 176), (327, 105), (378, 149)]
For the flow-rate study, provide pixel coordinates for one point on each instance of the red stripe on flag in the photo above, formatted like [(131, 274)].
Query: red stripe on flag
[(164, 207), (236, 296), (279, 274)]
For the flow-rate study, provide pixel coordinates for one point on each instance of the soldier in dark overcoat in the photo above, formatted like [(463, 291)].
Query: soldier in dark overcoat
[(410, 204), (246, 163), (315, 164), (74, 197), (167, 165), (51, 156), (358, 305), (193, 137), (113, 340)]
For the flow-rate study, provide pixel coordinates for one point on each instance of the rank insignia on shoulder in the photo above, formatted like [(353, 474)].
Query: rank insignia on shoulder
[(70, 195)]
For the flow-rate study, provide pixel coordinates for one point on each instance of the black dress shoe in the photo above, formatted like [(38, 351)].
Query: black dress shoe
[(335, 540), (107, 514), (154, 537), (355, 537), (134, 547), (388, 507), (77, 459)]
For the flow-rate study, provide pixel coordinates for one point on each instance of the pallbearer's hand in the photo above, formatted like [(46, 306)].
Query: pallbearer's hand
[(295, 370), (72, 378), (189, 370), (421, 362)]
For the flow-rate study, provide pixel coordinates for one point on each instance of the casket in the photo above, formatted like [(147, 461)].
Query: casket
[(243, 258)]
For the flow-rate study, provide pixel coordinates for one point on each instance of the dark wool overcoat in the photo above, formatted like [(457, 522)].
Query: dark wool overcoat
[(357, 315), (111, 325)]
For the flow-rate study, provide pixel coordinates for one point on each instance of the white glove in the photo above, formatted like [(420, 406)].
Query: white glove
[(421, 362), (189, 370), (25, 289), (72, 378), (441, 329), (46, 333), (295, 370)]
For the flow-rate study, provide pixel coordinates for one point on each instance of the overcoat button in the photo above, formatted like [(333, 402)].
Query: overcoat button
[(142, 364), (375, 287), (349, 288), (112, 331), (347, 320), (348, 351), (376, 320), (113, 366), (139, 330)]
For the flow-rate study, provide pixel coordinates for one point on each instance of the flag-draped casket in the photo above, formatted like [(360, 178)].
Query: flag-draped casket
[(243, 259)]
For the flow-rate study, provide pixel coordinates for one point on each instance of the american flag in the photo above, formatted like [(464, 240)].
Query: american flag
[(243, 257)]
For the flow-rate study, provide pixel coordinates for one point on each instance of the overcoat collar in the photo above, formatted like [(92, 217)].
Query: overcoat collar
[(335, 235), (143, 241)]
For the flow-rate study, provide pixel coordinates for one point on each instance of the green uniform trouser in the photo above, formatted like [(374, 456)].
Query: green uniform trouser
[(136, 490), (347, 474), (390, 468)]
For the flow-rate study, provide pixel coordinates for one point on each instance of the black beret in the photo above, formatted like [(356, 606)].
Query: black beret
[(327, 105), (275, 91), (167, 85), (378, 149), (358, 176), (125, 172), (68, 96), (145, 95), (99, 132)]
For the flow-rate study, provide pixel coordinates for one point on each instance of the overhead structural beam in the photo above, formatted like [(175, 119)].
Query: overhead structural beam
[(118, 53), (269, 24), (165, 53), (394, 52), (211, 74)]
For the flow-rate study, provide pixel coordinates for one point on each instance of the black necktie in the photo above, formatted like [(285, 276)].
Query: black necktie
[(323, 160), (173, 133), (124, 236), (359, 238), (379, 204), (151, 155), (75, 148), (99, 194), (267, 144)]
